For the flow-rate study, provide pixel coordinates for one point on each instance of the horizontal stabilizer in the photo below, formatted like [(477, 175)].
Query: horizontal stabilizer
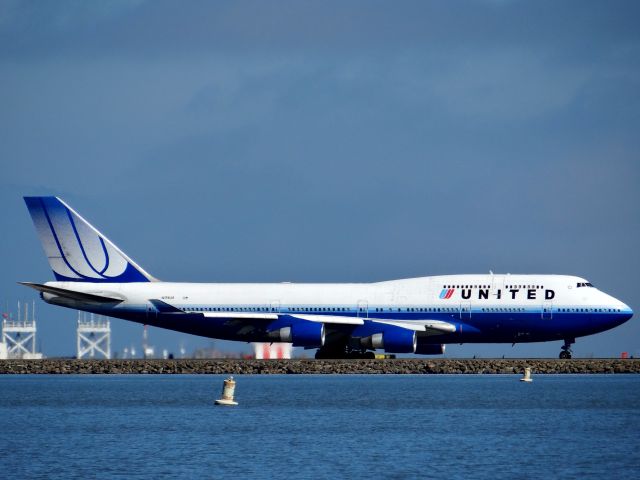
[(72, 294)]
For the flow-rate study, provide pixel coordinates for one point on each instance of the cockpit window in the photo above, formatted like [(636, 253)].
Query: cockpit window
[(584, 284)]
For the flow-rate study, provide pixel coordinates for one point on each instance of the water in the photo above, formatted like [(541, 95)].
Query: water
[(320, 427)]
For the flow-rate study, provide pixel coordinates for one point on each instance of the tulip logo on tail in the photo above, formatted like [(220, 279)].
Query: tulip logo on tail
[(446, 293), (76, 251)]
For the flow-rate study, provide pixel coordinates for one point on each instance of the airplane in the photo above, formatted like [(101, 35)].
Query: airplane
[(341, 320)]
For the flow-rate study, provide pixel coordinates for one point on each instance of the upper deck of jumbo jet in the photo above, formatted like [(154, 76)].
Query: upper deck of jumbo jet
[(489, 280)]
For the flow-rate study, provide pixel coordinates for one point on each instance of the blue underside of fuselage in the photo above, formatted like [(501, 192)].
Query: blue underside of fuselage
[(478, 327)]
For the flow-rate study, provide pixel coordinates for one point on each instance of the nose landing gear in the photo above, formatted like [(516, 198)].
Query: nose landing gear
[(566, 348)]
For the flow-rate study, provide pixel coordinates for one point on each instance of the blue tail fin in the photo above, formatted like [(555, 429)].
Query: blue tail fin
[(76, 251)]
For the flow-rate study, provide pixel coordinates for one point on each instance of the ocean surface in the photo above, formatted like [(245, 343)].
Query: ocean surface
[(465, 426)]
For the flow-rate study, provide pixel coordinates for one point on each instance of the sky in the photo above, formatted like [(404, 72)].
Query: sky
[(326, 141)]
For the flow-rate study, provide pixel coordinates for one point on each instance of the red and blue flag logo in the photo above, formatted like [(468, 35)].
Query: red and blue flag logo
[(446, 293)]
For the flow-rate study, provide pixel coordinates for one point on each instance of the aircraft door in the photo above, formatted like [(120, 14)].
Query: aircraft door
[(547, 310), (363, 309), (275, 306), (497, 283)]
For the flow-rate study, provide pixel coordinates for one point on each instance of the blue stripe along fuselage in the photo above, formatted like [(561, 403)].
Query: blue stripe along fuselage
[(479, 327)]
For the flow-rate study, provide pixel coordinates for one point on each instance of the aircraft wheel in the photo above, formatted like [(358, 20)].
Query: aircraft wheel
[(325, 354), (564, 355)]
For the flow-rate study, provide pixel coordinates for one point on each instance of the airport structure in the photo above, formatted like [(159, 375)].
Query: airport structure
[(94, 336), (3, 350), (147, 350), (276, 350), (19, 336)]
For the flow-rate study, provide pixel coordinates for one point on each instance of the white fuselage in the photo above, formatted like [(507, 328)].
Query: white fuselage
[(482, 307)]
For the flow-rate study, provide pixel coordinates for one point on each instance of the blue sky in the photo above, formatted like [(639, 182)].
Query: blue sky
[(327, 141)]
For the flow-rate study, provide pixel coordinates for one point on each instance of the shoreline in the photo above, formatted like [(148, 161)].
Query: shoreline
[(309, 366)]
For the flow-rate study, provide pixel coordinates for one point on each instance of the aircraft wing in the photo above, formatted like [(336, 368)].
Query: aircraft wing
[(430, 327), (240, 315), (164, 307), (329, 319), (332, 319), (423, 327)]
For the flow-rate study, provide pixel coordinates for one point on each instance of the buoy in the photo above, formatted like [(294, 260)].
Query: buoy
[(228, 389), (527, 375)]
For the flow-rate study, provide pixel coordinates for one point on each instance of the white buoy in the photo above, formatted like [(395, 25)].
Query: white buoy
[(228, 389), (527, 375)]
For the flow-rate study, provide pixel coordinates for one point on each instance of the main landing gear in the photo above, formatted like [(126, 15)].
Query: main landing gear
[(361, 355), (566, 348), (342, 353)]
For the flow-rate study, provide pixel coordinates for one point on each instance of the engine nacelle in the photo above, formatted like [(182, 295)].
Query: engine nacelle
[(392, 340), (430, 349), (301, 334)]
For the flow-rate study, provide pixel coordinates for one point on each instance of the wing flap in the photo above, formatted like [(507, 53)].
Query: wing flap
[(432, 327), (164, 307), (241, 315), (332, 319)]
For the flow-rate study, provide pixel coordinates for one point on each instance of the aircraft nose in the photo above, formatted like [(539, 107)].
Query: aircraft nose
[(622, 313)]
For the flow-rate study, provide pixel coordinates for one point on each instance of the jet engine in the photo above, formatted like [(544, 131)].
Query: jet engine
[(392, 340), (301, 334)]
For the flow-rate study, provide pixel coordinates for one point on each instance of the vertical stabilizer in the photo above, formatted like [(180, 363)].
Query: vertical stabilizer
[(76, 251)]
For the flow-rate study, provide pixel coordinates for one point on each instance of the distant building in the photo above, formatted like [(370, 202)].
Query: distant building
[(266, 351), (93, 336), (19, 336)]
